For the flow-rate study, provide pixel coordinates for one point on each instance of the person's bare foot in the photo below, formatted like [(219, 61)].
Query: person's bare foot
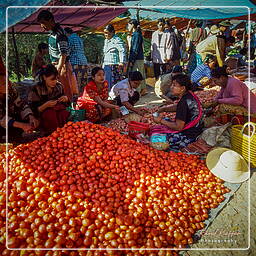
[(143, 92)]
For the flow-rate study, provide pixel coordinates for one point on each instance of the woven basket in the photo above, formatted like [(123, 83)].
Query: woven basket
[(243, 141)]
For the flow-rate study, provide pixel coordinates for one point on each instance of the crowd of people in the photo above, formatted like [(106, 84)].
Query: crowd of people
[(121, 80)]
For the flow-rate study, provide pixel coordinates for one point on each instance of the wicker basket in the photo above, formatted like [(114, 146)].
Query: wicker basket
[(243, 141)]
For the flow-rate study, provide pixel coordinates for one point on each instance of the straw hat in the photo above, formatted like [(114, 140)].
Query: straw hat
[(225, 23), (227, 165), (214, 30)]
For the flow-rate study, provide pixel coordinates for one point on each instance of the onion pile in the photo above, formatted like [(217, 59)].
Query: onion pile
[(206, 96), (87, 186), (120, 125)]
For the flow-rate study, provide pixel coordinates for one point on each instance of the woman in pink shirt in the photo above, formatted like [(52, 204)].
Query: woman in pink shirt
[(234, 96)]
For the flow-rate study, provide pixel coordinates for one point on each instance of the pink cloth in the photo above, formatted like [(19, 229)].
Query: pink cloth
[(164, 129), (237, 93)]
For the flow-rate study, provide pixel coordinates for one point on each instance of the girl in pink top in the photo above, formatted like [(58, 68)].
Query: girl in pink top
[(233, 91)]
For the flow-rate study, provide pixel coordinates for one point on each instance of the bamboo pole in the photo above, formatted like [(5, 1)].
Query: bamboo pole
[(138, 14), (188, 26), (17, 63)]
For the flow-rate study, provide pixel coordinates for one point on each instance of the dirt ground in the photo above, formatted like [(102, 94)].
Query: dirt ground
[(233, 231)]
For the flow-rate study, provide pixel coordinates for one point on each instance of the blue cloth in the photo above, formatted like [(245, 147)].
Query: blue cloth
[(113, 74), (201, 71), (17, 14), (76, 46), (209, 13), (199, 60), (253, 40), (178, 140), (192, 62), (136, 51)]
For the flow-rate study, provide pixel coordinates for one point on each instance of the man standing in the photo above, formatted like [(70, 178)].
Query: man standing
[(136, 55), (158, 48), (172, 46), (78, 59), (58, 50)]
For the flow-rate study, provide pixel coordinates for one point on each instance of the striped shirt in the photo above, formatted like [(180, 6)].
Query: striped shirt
[(201, 71), (77, 56), (114, 51), (58, 43)]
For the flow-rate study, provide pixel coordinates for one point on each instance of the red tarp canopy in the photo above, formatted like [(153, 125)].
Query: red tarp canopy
[(76, 18)]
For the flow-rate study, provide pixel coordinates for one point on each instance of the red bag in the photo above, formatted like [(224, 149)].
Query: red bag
[(136, 128)]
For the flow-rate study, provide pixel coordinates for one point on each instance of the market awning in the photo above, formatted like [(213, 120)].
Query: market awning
[(75, 17), (206, 13), (120, 24), (17, 14), (211, 9)]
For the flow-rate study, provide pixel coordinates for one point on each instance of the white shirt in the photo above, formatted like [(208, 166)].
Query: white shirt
[(122, 89), (158, 47)]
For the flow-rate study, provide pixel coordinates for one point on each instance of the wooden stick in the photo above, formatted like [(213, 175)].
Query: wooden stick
[(17, 55)]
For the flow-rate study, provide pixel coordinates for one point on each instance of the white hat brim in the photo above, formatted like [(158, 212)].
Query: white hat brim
[(224, 173)]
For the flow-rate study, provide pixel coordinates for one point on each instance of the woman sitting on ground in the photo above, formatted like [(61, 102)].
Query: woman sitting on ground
[(48, 101), (20, 117), (94, 97), (125, 94), (188, 122), (234, 95), (201, 76)]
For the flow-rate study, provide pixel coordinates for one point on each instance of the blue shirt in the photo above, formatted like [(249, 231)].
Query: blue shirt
[(136, 51), (201, 71), (114, 51), (76, 46)]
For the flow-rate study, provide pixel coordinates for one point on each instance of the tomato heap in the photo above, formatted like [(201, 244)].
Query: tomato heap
[(87, 186)]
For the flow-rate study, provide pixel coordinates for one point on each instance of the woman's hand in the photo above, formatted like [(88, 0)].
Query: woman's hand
[(33, 121), (161, 109), (26, 127), (48, 104), (117, 108), (51, 103), (211, 104), (157, 119), (63, 98), (168, 102)]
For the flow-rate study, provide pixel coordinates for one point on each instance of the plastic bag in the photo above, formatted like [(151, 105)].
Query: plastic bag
[(159, 141)]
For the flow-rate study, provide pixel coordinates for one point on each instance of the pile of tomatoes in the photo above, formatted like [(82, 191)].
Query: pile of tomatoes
[(87, 186)]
